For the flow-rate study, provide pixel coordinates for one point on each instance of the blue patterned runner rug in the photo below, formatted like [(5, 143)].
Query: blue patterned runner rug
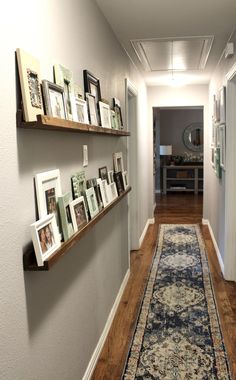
[(178, 335)]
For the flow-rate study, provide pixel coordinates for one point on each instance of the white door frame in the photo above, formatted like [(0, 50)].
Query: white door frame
[(230, 178), (131, 107)]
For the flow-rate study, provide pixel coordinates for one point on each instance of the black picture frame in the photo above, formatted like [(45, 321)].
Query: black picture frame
[(92, 85), (103, 173), (118, 179)]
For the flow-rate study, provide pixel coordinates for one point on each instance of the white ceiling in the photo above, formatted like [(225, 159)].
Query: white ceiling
[(159, 19)]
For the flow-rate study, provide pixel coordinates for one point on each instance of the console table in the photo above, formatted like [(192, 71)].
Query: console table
[(182, 178)]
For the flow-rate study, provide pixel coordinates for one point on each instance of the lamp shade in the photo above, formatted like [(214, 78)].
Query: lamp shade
[(165, 150)]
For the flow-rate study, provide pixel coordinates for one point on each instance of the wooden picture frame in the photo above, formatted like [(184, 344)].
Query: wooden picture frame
[(92, 109), (79, 214), (82, 111), (45, 237), (54, 101), (30, 81), (64, 78), (105, 115), (65, 215), (92, 85)]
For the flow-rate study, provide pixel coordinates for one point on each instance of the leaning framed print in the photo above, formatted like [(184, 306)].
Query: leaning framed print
[(222, 131), (125, 179), (103, 174), (92, 85), (64, 78), (92, 202), (78, 213), (118, 179), (92, 182), (54, 101), (103, 188), (222, 105), (118, 162), (117, 109), (82, 110), (78, 184), (105, 115), (65, 215), (113, 190), (114, 122), (48, 189), (30, 81), (45, 237), (92, 109)]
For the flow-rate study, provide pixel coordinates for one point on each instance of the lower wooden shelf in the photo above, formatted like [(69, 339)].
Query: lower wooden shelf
[(29, 259)]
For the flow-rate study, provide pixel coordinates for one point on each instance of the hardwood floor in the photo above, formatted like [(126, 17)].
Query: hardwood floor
[(171, 208)]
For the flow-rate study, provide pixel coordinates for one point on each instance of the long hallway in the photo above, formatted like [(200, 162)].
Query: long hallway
[(177, 208)]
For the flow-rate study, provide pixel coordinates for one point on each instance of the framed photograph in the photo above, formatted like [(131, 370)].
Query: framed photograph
[(64, 78), (45, 237), (92, 109), (117, 109), (79, 186), (92, 182), (48, 189), (118, 162), (213, 156), (30, 80), (118, 179), (54, 99), (217, 162), (78, 213), (104, 192), (65, 215), (110, 176), (113, 190), (82, 111), (222, 130), (125, 179), (217, 135), (103, 174), (78, 92), (92, 202), (114, 122), (222, 104), (105, 115), (92, 86)]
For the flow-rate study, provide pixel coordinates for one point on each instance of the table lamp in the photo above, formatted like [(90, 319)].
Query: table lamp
[(165, 150)]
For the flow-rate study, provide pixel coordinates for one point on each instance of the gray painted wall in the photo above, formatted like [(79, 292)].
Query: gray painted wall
[(51, 322)]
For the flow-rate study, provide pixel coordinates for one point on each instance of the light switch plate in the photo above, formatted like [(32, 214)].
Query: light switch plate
[(85, 155)]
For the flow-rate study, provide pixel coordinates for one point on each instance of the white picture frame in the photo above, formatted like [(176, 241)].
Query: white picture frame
[(113, 191), (45, 237), (104, 193), (92, 202), (114, 122), (105, 115), (222, 138), (110, 176), (118, 162), (222, 104), (92, 109), (30, 81), (78, 213), (65, 215), (82, 111), (48, 189), (64, 78), (125, 179)]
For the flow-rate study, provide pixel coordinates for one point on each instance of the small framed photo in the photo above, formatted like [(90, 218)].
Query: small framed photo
[(222, 104), (65, 215), (79, 186), (118, 179), (110, 176), (213, 156), (78, 92), (92, 86), (92, 182), (222, 130), (104, 193), (48, 189), (92, 109), (92, 202), (30, 80), (105, 115), (117, 109), (82, 110), (78, 213), (113, 190), (114, 122), (45, 237), (118, 162), (54, 99), (125, 179), (103, 174), (64, 78)]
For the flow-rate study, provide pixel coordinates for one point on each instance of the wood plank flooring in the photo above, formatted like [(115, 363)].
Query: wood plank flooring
[(171, 208)]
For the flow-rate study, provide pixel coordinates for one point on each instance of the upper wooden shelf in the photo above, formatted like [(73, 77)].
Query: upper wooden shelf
[(29, 259), (54, 124)]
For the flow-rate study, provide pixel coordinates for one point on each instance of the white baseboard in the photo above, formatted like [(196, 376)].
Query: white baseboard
[(149, 221), (98, 349), (220, 261)]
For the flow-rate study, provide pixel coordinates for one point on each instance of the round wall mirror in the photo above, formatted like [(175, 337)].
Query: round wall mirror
[(193, 137)]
